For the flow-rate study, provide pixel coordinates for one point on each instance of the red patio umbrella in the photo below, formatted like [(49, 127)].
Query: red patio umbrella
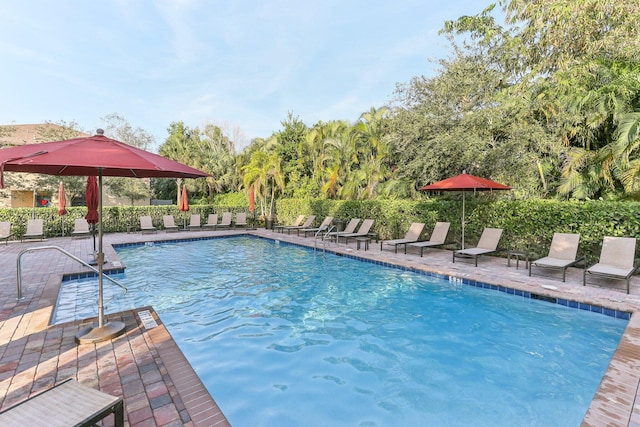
[(87, 156), (252, 204), (62, 205), (92, 197), (62, 200), (184, 203), (252, 199), (465, 182), (184, 200)]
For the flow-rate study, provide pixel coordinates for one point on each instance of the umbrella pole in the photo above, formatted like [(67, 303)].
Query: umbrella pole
[(109, 330), (463, 224), (100, 256)]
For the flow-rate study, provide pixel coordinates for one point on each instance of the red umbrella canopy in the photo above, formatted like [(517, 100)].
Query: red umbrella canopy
[(463, 182), (92, 196), (89, 156), (184, 200), (62, 200)]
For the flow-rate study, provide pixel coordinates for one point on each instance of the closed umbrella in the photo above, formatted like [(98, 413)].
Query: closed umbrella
[(465, 182), (62, 205), (252, 199), (92, 197), (184, 203), (87, 156), (252, 204)]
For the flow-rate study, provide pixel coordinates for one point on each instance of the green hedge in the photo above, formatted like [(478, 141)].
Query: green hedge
[(116, 218), (528, 224)]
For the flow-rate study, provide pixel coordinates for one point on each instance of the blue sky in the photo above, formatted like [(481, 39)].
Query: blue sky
[(242, 65)]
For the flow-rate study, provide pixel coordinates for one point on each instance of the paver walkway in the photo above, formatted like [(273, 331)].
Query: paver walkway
[(158, 385)]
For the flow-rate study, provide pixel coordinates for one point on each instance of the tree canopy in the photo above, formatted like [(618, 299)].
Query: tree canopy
[(547, 101)]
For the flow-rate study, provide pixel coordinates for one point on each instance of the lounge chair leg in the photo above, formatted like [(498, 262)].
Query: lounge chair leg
[(476, 260)]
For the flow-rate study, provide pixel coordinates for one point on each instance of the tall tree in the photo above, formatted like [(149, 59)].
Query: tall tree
[(216, 153), (264, 173), (179, 146), (117, 127)]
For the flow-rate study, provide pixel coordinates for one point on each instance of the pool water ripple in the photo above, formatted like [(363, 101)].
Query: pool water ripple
[(283, 336)]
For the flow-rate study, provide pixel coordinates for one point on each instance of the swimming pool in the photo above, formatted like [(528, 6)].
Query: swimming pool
[(281, 335)]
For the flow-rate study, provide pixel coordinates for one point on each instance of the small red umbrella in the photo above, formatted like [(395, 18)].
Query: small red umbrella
[(252, 199), (252, 204), (62, 204), (92, 197), (184, 204), (464, 182), (184, 200), (62, 200)]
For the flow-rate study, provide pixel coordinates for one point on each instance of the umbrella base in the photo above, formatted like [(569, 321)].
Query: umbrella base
[(95, 334), (94, 260)]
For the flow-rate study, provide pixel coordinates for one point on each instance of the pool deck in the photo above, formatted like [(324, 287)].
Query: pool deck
[(159, 386)]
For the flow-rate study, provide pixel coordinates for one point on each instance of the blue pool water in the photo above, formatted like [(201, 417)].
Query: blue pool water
[(284, 336)]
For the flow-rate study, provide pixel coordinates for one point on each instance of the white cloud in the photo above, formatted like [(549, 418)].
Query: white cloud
[(246, 63)]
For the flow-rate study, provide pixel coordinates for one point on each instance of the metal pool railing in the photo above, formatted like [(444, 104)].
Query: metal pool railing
[(69, 254)]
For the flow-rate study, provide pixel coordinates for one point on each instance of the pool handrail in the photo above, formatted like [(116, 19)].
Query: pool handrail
[(69, 254)]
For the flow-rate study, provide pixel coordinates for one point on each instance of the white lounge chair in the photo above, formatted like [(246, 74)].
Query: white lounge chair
[(413, 235), (363, 231), (562, 254), (617, 258), (194, 222), (5, 231), (35, 230), (241, 220), (146, 225), (212, 221), (80, 228), (296, 223), (438, 238), (306, 224), (169, 223), (322, 227), (226, 220), (487, 244), (350, 228)]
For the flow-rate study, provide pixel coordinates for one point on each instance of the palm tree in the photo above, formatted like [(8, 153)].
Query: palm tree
[(373, 147), (264, 172), (604, 135)]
